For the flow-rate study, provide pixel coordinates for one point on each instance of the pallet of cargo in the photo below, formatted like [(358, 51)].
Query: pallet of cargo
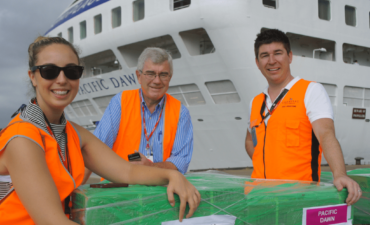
[(362, 207), (251, 201)]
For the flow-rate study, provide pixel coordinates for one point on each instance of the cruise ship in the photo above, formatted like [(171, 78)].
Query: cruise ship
[(215, 75)]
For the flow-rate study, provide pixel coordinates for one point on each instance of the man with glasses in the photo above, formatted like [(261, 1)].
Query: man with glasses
[(147, 120)]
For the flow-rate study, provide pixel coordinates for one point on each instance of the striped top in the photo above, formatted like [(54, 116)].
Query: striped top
[(34, 114), (182, 150)]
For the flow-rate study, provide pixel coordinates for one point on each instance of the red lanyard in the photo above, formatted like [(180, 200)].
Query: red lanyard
[(147, 137), (64, 159)]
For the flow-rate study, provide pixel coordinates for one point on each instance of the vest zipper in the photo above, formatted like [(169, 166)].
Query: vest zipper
[(264, 144)]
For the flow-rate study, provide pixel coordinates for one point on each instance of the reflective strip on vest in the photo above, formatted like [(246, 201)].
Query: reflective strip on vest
[(130, 130), (287, 147), (11, 209)]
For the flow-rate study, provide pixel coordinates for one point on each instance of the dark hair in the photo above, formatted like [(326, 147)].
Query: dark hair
[(41, 42), (269, 36)]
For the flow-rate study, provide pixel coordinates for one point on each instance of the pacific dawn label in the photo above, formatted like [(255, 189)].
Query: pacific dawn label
[(331, 214)]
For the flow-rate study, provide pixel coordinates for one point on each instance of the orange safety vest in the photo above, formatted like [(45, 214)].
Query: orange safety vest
[(287, 147), (12, 210), (130, 131)]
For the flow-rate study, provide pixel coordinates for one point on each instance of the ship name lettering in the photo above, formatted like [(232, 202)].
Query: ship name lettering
[(93, 84), (85, 88), (101, 82), (90, 87)]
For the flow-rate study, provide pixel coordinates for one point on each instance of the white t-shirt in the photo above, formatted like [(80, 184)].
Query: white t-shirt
[(316, 101)]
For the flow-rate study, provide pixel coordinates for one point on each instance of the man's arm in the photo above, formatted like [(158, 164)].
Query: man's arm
[(249, 144), (325, 133), (182, 149)]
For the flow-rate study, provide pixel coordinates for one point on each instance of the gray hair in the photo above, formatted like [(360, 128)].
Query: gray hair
[(156, 55)]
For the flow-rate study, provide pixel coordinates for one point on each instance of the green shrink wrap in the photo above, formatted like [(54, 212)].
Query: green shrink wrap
[(252, 201)]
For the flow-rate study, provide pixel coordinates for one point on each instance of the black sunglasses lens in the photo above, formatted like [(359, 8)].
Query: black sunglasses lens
[(49, 72), (52, 72), (73, 72)]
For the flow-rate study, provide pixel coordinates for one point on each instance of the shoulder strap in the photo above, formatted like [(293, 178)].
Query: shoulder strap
[(42, 136)]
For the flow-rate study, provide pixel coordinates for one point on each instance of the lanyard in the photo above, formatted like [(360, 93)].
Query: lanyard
[(147, 137), (65, 160), (273, 107)]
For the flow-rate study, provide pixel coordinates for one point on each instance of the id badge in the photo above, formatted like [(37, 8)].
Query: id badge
[(150, 158), (254, 136), (149, 153)]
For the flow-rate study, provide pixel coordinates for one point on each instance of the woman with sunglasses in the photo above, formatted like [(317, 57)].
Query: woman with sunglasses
[(45, 154)]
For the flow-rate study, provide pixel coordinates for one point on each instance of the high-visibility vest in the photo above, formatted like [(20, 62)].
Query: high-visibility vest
[(130, 129), (287, 147), (12, 210)]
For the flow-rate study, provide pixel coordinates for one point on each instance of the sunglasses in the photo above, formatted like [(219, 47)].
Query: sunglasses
[(50, 72)]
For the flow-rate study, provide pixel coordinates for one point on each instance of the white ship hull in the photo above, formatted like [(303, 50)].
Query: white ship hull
[(232, 25)]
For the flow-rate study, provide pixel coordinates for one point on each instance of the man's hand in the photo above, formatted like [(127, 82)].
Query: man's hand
[(143, 160), (354, 190), (325, 133)]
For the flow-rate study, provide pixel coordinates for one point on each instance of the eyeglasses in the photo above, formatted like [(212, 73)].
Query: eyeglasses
[(50, 72), (162, 76)]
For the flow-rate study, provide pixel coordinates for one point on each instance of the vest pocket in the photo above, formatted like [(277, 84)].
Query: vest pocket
[(292, 133)]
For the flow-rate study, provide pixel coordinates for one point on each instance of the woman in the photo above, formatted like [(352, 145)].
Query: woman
[(46, 155)]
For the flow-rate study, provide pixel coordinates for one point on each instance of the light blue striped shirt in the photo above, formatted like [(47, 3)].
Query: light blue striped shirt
[(182, 150)]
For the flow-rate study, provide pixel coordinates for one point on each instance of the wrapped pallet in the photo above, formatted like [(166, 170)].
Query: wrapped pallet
[(362, 206), (251, 201)]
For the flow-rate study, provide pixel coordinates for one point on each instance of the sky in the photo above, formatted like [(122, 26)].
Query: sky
[(20, 23)]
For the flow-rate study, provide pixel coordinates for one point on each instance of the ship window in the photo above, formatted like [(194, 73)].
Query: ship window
[(269, 3), (97, 24), (223, 92), (324, 9), (188, 94), (180, 4), (70, 34), (83, 29), (132, 52), (350, 13), (103, 102), (356, 96), (331, 89), (116, 17), (99, 63), (311, 47), (84, 108), (197, 42), (69, 112), (138, 10), (356, 55), (60, 34)]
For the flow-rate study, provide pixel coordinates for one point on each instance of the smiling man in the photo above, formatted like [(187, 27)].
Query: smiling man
[(147, 120), (291, 122)]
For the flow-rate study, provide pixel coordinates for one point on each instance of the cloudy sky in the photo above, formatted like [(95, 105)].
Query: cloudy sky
[(20, 23)]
